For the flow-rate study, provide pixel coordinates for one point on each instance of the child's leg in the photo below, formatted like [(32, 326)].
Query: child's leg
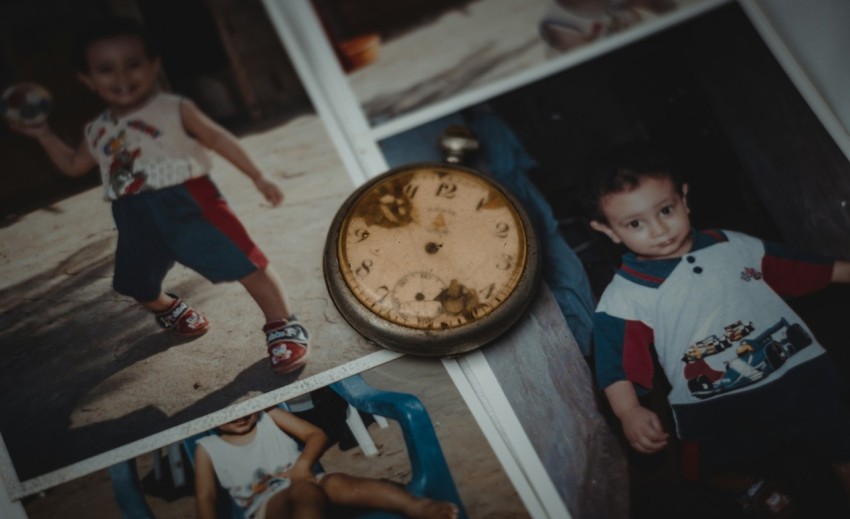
[(346, 490), (162, 303), (287, 340), (266, 288), (301, 499)]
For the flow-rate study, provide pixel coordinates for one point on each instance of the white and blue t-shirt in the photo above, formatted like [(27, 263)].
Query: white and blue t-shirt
[(716, 317)]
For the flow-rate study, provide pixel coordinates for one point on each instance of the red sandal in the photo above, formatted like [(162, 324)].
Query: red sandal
[(183, 320), (288, 342)]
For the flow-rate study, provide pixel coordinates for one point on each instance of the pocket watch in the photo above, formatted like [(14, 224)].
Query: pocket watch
[(431, 259)]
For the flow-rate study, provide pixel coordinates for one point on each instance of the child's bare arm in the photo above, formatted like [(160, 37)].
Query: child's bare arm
[(205, 489), (641, 426), (314, 440), (841, 272), (71, 162), (221, 141)]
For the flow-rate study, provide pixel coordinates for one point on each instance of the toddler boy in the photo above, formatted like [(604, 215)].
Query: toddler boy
[(151, 148), (747, 375)]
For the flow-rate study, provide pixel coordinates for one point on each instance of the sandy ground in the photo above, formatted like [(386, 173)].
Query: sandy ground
[(484, 487)]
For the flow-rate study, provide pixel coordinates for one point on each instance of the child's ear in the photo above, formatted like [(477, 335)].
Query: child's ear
[(685, 197), (604, 229)]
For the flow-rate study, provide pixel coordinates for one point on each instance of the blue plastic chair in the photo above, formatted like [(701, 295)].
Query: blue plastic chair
[(430, 475), (128, 491)]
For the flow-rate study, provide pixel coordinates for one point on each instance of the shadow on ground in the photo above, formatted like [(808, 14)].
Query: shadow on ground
[(61, 338)]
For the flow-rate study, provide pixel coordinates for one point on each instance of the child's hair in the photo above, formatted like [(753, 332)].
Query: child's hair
[(105, 28), (621, 169)]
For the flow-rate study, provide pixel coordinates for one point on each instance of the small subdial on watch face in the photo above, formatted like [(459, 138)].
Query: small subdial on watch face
[(415, 296)]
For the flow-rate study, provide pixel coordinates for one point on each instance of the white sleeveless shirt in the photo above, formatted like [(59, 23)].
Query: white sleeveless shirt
[(145, 150), (252, 473)]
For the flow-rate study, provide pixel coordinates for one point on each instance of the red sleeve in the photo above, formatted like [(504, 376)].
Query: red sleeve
[(622, 351), (637, 359), (791, 273)]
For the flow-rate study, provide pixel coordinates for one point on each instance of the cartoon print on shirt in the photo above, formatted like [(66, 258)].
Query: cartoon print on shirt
[(753, 360), (263, 483), (713, 345), (150, 131), (122, 179)]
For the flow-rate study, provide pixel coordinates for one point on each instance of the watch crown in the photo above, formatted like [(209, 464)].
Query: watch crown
[(456, 141)]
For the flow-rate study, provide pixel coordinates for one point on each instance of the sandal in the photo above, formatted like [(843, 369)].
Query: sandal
[(763, 499), (288, 343), (183, 320)]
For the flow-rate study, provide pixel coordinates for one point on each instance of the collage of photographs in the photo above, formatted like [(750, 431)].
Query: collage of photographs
[(360, 278)]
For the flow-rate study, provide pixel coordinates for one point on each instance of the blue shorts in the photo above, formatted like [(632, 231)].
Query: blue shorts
[(808, 409), (190, 223)]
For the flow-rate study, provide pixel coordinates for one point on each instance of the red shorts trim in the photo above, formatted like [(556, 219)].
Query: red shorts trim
[(218, 213)]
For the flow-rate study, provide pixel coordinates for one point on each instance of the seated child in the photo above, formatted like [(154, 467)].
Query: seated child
[(257, 459), (151, 148), (748, 377)]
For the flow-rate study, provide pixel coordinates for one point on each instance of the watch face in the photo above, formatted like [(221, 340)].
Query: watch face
[(432, 248)]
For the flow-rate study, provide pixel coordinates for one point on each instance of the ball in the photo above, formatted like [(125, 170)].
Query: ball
[(26, 104)]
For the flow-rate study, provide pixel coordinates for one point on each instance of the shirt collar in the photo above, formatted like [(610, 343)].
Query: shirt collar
[(652, 273)]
